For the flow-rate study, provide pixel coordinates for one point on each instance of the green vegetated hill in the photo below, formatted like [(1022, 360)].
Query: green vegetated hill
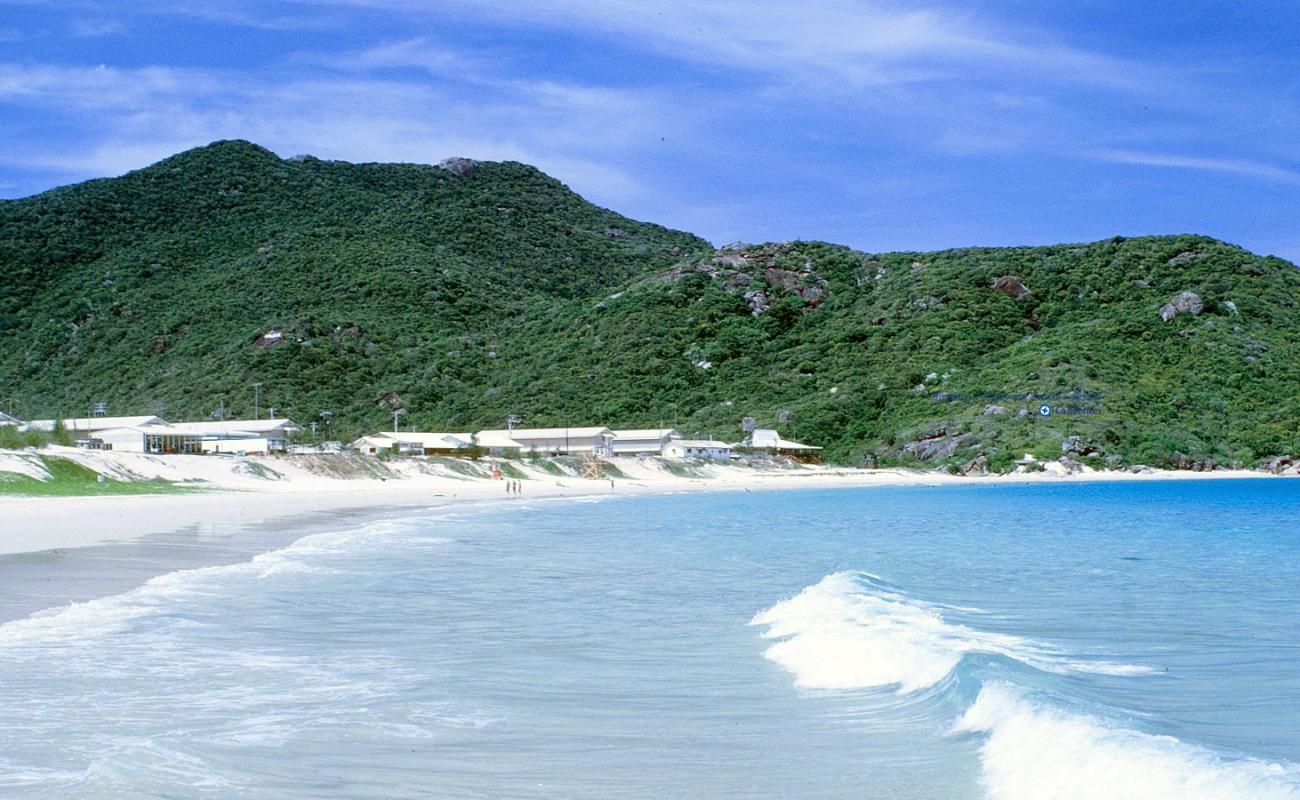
[(465, 293)]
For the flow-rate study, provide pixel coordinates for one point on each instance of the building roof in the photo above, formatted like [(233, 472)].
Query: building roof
[(445, 441), (91, 424), (498, 439), (701, 444), (5, 419), (379, 440), (520, 434), (646, 433), (151, 430), (765, 437), (230, 427)]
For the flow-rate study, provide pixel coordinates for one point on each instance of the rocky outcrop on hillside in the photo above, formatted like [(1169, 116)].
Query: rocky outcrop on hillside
[(1011, 286), (761, 274), (1182, 303), (460, 167), (937, 444)]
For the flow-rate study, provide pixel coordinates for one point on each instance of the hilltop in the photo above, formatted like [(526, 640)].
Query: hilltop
[(465, 292)]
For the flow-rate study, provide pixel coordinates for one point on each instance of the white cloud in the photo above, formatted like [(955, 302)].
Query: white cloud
[(1233, 166), (863, 42), (138, 116), (89, 28)]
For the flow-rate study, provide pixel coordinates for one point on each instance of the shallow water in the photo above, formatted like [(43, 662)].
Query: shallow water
[(1074, 641)]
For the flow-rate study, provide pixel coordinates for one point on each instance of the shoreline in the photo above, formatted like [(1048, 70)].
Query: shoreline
[(35, 524), (60, 550)]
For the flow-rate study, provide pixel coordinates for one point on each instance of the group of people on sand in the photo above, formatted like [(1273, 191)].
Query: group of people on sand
[(514, 487)]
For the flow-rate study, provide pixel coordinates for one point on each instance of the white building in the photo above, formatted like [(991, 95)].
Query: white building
[(643, 442), (243, 446), (558, 441), (155, 439), (415, 444), (697, 448), (770, 440), (244, 435), (499, 443)]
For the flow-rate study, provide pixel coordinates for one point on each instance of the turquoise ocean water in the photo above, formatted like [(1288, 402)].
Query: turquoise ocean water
[(1060, 641)]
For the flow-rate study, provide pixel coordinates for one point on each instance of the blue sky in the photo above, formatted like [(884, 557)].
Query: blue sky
[(882, 125)]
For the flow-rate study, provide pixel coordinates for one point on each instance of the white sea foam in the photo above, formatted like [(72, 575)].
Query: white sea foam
[(850, 631), (1035, 751), (86, 621)]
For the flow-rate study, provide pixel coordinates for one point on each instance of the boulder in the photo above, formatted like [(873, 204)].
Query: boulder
[(757, 302), (1075, 445), (1182, 303), (941, 447), (979, 465), (996, 411), (1187, 257), (1180, 461), (1137, 469), (1278, 465), (460, 167), (1071, 466), (1011, 286)]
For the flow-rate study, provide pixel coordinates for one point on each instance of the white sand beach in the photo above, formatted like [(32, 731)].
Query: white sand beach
[(254, 494)]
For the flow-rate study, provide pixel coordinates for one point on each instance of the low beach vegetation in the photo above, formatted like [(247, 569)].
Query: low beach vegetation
[(66, 478)]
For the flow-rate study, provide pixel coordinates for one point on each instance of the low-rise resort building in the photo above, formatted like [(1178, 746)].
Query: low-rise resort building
[(149, 434)]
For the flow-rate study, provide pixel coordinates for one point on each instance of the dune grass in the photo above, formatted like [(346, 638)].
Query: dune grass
[(70, 479)]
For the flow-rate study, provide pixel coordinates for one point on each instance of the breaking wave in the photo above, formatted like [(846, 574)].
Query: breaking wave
[(1035, 750), (853, 631)]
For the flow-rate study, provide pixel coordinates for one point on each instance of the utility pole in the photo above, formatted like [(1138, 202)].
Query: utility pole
[(397, 415), (257, 400), (511, 421)]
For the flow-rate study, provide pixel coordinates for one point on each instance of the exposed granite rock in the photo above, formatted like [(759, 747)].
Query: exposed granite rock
[(1182, 303), (938, 447), (1075, 445), (977, 466), (1278, 465), (1072, 467), (1187, 257), (1011, 286), (996, 411), (460, 167), (757, 302)]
